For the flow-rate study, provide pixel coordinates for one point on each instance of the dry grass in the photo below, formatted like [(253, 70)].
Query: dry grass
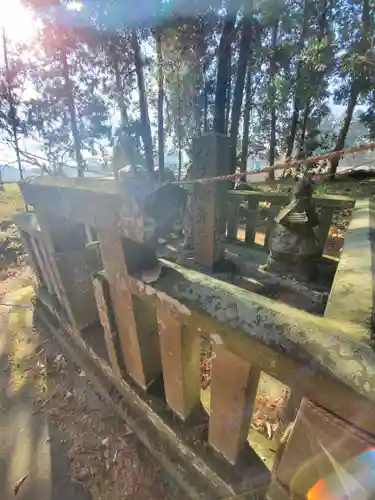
[(10, 202)]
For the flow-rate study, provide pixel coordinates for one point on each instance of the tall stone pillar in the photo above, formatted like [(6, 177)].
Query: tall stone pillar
[(210, 155)]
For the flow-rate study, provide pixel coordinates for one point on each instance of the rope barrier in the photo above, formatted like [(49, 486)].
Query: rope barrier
[(284, 166), (232, 177)]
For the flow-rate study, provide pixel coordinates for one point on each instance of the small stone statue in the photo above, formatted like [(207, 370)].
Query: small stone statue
[(293, 244)]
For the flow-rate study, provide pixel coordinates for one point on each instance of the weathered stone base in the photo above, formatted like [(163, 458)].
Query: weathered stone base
[(303, 271)]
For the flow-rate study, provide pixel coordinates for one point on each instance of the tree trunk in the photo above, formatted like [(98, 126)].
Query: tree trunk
[(297, 90), (246, 122), (119, 90), (198, 110), (301, 145), (273, 68), (222, 76), (72, 112), (179, 160), (315, 79), (143, 106), (354, 89), (238, 90), (159, 56), (205, 102), (12, 108), (340, 143), (229, 91)]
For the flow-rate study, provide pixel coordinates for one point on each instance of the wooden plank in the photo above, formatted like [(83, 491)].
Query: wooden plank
[(48, 250), (44, 266), (50, 278), (324, 226), (251, 220), (233, 390), (101, 291), (134, 349), (180, 355), (319, 443), (233, 213), (34, 258), (76, 268)]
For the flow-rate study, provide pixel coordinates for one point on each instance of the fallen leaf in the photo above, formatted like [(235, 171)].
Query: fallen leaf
[(19, 484)]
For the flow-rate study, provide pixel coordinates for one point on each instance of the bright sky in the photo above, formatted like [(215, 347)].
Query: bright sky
[(17, 21)]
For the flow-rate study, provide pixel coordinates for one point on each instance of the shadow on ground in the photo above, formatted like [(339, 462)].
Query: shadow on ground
[(33, 461)]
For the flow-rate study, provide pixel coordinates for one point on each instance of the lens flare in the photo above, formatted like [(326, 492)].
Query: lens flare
[(357, 480)]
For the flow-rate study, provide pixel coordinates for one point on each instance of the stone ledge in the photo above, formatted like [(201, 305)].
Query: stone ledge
[(352, 293)]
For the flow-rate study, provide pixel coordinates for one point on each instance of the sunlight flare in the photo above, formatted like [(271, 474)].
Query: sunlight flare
[(18, 21)]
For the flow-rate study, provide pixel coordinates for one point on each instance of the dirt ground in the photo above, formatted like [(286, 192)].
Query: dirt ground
[(49, 411)]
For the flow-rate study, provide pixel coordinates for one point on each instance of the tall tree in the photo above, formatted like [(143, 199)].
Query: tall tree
[(222, 76), (297, 90), (160, 78), (246, 121), (72, 111), (359, 81), (143, 105), (247, 27), (272, 98), (12, 116)]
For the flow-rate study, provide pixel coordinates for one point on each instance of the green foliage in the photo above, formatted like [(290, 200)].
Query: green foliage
[(314, 64)]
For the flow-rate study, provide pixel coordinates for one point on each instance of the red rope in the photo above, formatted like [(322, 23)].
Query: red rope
[(283, 166)]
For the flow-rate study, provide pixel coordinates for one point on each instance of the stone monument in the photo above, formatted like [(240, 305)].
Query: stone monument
[(210, 158)]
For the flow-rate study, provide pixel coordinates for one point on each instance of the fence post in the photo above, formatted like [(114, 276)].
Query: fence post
[(101, 290), (138, 341), (324, 226), (252, 215), (233, 389), (233, 214), (210, 159), (180, 356)]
